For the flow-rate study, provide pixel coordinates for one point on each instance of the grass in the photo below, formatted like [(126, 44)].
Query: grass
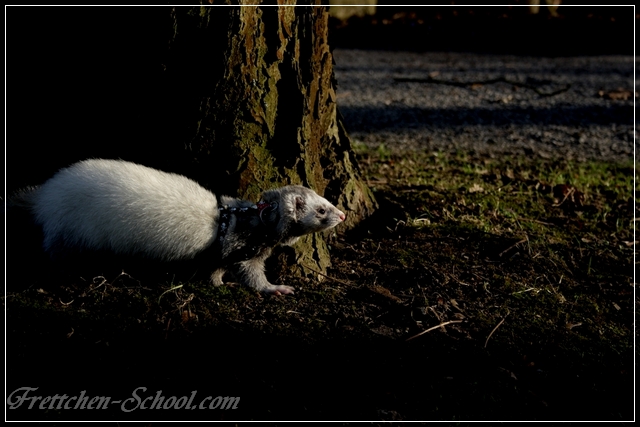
[(526, 263)]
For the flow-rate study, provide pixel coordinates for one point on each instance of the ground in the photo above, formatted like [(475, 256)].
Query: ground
[(482, 289)]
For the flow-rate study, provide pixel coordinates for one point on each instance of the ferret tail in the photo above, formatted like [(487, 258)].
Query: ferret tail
[(21, 199)]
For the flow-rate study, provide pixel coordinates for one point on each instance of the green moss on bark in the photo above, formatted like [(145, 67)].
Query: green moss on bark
[(268, 117)]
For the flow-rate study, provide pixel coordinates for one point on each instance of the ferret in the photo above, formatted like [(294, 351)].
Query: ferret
[(130, 209)]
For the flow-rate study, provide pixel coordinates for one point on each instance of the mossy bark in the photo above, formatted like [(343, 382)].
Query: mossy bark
[(258, 107)]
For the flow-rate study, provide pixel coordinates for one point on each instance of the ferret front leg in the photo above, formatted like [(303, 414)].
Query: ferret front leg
[(216, 276), (251, 273)]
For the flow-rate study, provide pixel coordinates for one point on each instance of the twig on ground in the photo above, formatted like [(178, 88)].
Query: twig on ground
[(511, 247), (168, 290), (434, 327), (328, 277), (494, 329), (536, 221)]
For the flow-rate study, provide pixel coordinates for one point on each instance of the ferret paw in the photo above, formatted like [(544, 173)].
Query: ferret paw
[(279, 290), (216, 277)]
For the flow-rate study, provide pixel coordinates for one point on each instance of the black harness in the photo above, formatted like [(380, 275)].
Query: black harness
[(226, 212)]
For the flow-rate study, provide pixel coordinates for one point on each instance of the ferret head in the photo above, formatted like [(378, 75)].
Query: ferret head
[(302, 211)]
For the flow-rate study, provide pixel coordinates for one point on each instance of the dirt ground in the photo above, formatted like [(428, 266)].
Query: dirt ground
[(484, 292)]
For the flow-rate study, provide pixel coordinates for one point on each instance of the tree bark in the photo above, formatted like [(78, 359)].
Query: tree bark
[(261, 109)]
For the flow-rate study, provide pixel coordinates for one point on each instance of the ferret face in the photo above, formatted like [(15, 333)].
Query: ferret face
[(315, 213), (303, 211)]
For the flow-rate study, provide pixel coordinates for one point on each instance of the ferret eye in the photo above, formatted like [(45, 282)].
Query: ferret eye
[(321, 211)]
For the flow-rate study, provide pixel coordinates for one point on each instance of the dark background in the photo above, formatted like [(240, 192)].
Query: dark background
[(577, 30)]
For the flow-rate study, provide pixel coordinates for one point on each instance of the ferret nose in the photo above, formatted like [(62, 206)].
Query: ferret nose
[(342, 216)]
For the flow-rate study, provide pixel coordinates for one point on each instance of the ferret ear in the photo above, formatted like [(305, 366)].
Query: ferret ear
[(300, 203)]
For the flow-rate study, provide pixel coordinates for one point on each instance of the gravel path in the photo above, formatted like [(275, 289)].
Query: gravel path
[(518, 114)]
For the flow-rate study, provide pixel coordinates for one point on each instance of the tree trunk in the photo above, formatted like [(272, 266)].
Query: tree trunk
[(241, 99), (260, 107)]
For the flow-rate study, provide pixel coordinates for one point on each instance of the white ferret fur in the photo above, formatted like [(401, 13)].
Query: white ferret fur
[(130, 209)]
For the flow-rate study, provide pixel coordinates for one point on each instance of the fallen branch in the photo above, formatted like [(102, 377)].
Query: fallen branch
[(434, 327)]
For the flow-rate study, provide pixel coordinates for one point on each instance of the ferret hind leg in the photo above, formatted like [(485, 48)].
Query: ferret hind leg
[(251, 273)]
